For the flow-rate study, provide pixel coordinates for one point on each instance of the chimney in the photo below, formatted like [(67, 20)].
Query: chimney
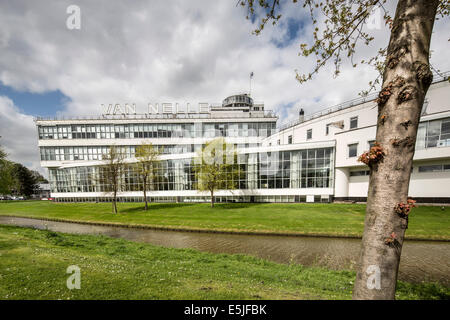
[(301, 115)]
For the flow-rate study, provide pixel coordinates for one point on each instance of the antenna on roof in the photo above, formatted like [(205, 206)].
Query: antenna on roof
[(251, 76)]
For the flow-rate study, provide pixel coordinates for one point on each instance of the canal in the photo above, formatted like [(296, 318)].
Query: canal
[(421, 260)]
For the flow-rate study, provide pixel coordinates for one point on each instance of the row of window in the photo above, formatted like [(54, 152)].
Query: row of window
[(353, 125), (435, 168), (427, 168), (98, 152), (147, 130), (430, 134), (288, 169)]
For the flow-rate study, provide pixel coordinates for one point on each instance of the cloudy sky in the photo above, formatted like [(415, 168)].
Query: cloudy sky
[(160, 51)]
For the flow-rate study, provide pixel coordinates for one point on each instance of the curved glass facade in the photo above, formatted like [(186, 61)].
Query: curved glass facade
[(297, 169)]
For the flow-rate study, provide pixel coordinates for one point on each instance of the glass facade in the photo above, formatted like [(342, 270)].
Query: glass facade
[(152, 130), (312, 168)]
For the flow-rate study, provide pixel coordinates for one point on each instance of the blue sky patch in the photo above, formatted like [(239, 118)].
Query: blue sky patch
[(36, 104), (293, 27)]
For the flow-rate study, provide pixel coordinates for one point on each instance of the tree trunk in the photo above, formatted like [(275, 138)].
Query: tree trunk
[(406, 79), (212, 199), (145, 194), (114, 204), (114, 207)]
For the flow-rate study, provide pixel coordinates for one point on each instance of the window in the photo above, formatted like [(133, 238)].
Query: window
[(359, 173), (278, 142), (353, 122), (352, 150), (308, 134), (327, 129), (289, 139), (433, 134), (435, 168), (445, 133), (371, 143)]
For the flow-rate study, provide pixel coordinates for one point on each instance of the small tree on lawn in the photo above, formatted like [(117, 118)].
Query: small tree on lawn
[(7, 178), (216, 167), (8, 181), (148, 159), (111, 172)]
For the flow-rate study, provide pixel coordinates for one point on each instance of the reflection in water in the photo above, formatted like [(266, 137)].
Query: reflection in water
[(421, 260)]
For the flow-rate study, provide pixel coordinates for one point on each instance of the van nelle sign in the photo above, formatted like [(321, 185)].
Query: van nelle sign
[(155, 108)]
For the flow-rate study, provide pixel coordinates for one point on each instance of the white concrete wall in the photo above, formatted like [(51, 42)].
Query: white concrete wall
[(358, 136), (438, 97), (341, 185), (358, 186), (318, 125)]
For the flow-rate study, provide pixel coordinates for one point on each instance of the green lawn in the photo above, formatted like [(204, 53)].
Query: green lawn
[(318, 219), (33, 265)]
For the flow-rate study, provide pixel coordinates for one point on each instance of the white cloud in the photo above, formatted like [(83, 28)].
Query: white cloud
[(19, 135), (175, 51)]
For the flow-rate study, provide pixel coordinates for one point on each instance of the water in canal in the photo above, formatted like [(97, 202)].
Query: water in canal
[(421, 260)]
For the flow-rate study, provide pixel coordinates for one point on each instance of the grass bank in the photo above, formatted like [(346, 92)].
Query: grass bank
[(308, 219), (33, 266)]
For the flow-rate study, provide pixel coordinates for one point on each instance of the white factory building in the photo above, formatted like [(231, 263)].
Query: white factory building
[(312, 159)]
